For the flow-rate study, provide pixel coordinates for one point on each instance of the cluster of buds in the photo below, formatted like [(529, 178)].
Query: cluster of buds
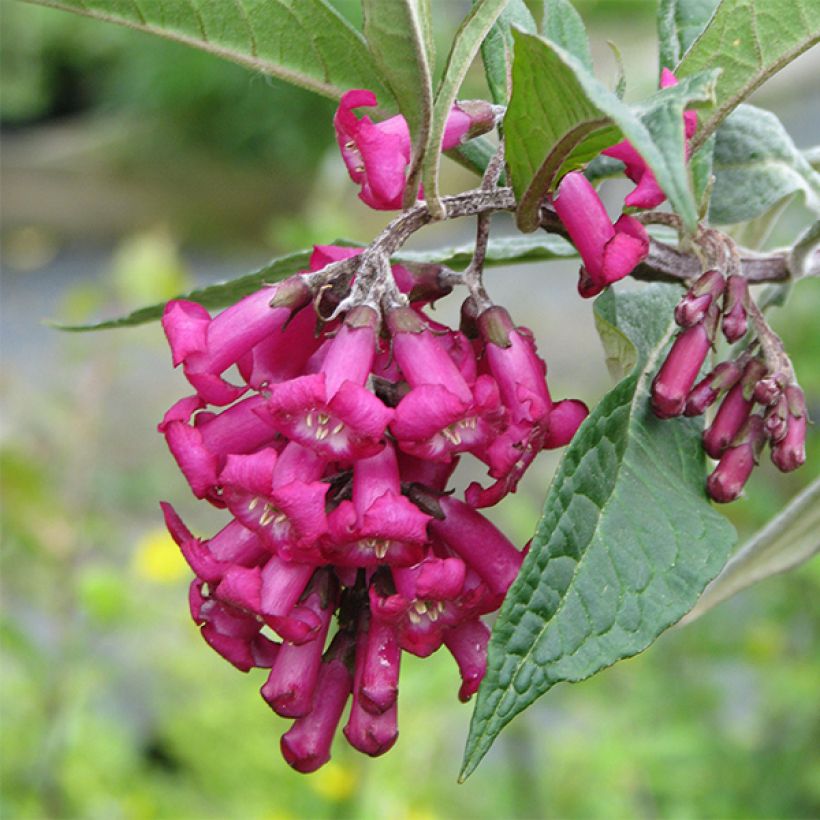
[(759, 402), (332, 451)]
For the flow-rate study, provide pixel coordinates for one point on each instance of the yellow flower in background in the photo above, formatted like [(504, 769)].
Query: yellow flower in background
[(335, 782), (157, 558)]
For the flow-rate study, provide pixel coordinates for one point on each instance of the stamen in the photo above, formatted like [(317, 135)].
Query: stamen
[(252, 504), (338, 428)]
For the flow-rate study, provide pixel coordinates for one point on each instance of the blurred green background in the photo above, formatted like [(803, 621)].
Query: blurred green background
[(133, 168)]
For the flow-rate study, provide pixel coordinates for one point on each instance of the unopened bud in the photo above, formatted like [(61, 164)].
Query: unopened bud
[(481, 114), (776, 420), (705, 392), (737, 462), (790, 452), (697, 301), (733, 412), (734, 308), (767, 391), (674, 380)]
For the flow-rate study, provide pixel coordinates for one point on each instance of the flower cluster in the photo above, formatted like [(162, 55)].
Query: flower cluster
[(760, 401), (332, 451)]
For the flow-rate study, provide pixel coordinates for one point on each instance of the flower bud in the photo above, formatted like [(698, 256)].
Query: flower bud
[(733, 411), (737, 462), (674, 380), (699, 298), (734, 308), (768, 390), (790, 452), (706, 391)]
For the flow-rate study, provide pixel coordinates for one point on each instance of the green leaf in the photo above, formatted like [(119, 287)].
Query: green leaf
[(791, 538), (679, 24), (626, 544), (701, 166), (395, 36), (505, 250), (212, 296), (304, 42), (474, 155), (560, 117), (496, 50), (756, 164), (563, 26), (468, 39), (750, 40)]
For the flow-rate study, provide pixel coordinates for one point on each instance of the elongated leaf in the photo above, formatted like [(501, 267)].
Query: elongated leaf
[(563, 26), (804, 257), (679, 24), (468, 39), (212, 296), (304, 42), (791, 538), (505, 250), (500, 251), (560, 117), (750, 40), (626, 543), (496, 50), (756, 164), (396, 40)]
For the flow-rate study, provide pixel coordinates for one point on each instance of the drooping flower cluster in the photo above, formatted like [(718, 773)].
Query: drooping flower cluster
[(332, 451), (759, 403)]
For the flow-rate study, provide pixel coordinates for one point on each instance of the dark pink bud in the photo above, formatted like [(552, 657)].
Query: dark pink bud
[(734, 308), (699, 298), (306, 746), (769, 390), (790, 452), (468, 644), (680, 369), (733, 411), (737, 462), (776, 420), (706, 391)]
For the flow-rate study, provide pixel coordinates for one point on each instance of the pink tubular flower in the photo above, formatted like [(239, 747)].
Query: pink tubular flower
[(609, 252), (380, 526), (372, 732), (377, 154), (510, 355), (280, 498), (207, 347), (306, 745), (295, 672), (647, 193), (331, 411)]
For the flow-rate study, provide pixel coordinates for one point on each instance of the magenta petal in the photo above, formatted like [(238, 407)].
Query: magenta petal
[(425, 410), (199, 558), (304, 505), (241, 587), (394, 516), (468, 644), (326, 254), (379, 684), (213, 389), (385, 158), (564, 420), (197, 464), (455, 129), (621, 254), (361, 410), (181, 411), (186, 326), (253, 473)]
